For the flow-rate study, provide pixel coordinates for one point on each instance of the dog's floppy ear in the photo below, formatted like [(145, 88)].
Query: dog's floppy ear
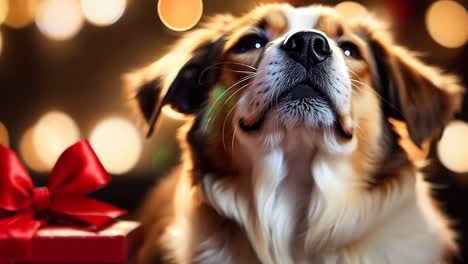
[(181, 79), (422, 96)]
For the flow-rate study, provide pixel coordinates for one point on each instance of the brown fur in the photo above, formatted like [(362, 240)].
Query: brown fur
[(426, 100)]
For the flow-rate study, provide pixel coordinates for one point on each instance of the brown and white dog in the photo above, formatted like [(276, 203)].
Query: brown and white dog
[(291, 155)]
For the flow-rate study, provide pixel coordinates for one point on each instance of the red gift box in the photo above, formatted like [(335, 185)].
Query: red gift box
[(116, 243), (58, 223)]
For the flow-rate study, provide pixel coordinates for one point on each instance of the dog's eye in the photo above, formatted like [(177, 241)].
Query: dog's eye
[(350, 50), (250, 42)]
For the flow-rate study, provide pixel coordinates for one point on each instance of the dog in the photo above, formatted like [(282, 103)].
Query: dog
[(290, 152)]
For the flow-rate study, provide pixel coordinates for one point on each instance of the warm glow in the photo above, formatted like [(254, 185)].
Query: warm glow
[(453, 147), (447, 22), (103, 12), (29, 154), (117, 143), (171, 113), (52, 134), (3, 10), (20, 12), (351, 9), (180, 15), (4, 139), (1, 43), (60, 19)]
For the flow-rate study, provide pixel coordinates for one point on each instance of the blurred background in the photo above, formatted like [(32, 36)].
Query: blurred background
[(62, 62)]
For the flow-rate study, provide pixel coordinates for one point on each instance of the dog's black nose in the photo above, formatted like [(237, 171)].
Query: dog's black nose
[(308, 48)]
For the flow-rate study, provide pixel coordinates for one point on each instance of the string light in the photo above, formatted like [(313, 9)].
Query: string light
[(103, 12), (117, 144), (4, 139), (3, 10), (180, 15), (20, 13), (52, 134), (60, 19), (453, 147), (447, 21), (351, 9)]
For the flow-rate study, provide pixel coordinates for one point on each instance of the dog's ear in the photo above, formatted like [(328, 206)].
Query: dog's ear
[(181, 79), (422, 96)]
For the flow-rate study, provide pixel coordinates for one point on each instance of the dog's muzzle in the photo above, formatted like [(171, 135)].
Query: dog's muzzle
[(310, 49)]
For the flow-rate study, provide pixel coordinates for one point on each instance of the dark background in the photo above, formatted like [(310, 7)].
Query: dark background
[(82, 77)]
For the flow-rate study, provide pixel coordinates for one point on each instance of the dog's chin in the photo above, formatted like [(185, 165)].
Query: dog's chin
[(302, 106)]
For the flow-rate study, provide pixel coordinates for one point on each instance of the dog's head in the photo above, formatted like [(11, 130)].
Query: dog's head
[(279, 69), (303, 80)]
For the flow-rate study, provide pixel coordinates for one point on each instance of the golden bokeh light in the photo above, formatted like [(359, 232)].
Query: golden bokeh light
[(4, 139), (351, 9), (180, 15), (453, 147), (3, 10), (52, 134), (117, 143), (60, 19), (20, 13), (103, 12), (29, 153), (447, 21)]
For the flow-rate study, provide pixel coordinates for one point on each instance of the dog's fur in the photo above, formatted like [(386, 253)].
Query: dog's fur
[(297, 189)]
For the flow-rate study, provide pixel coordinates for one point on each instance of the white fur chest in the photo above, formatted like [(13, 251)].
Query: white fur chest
[(340, 227), (304, 207)]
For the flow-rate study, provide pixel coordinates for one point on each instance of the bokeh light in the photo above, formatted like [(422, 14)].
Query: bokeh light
[(4, 139), (103, 12), (3, 10), (447, 22), (351, 9), (60, 19), (180, 15), (453, 147), (20, 13), (52, 134), (117, 143), (29, 153)]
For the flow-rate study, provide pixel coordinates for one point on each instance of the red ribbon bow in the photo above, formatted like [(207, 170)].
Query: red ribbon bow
[(77, 173)]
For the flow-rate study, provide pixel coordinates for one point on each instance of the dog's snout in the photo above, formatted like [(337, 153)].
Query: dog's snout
[(307, 47)]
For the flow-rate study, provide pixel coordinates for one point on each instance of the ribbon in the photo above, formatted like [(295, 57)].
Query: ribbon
[(25, 208)]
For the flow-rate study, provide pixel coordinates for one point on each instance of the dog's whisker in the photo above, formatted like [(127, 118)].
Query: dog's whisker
[(226, 63), (230, 111), (233, 139), (209, 113), (376, 94), (362, 131), (224, 125), (246, 72), (355, 74)]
